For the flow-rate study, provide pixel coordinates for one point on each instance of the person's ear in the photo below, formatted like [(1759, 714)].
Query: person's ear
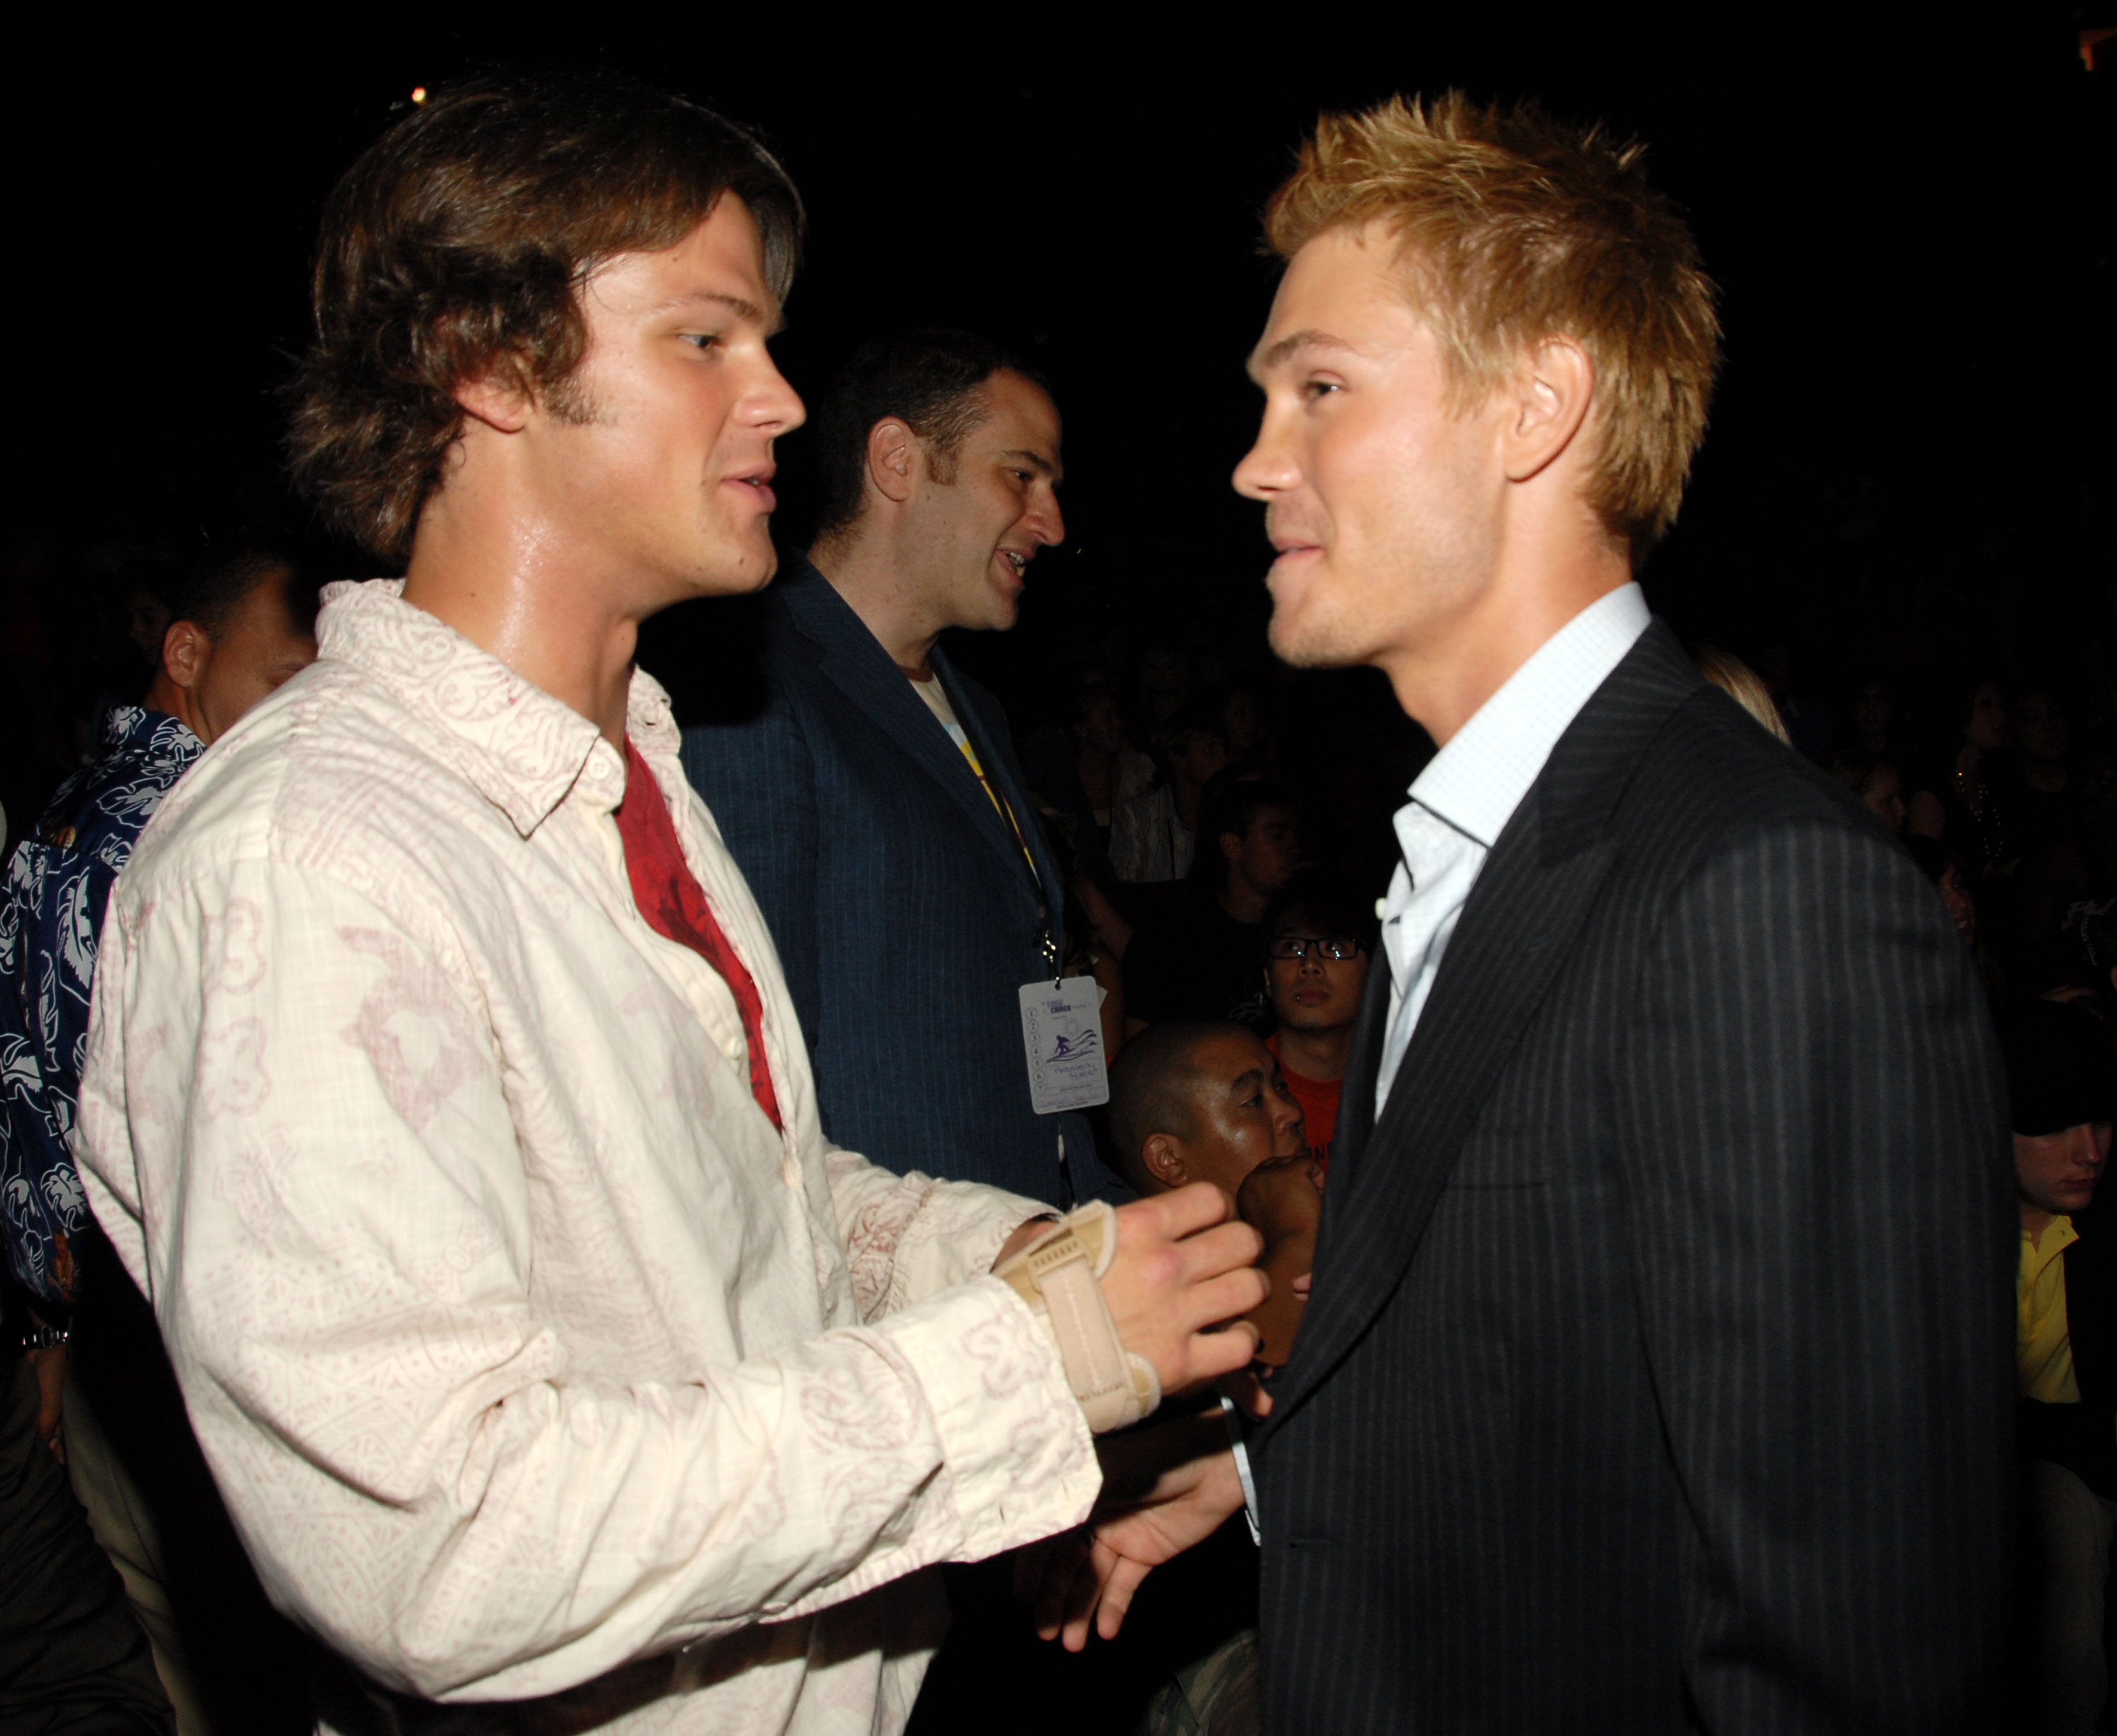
[(1231, 845), (1549, 398), (185, 650), (892, 459), (1163, 1158), (496, 398)]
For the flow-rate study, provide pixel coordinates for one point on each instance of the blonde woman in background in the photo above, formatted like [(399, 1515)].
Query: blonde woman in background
[(1739, 681)]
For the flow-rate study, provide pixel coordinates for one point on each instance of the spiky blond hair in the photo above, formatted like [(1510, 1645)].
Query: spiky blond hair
[(1512, 228)]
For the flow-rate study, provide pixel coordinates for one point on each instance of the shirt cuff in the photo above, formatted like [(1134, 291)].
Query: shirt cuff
[(1020, 1461), (955, 1236), (1241, 1449)]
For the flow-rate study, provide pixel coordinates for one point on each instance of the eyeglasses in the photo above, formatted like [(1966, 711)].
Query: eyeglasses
[(1336, 948)]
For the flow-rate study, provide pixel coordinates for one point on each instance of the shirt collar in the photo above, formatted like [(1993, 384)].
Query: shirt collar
[(138, 729), (523, 751), (1478, 779)]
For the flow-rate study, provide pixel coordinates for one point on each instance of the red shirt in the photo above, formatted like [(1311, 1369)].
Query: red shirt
[(674, 904), (1318, 1099)]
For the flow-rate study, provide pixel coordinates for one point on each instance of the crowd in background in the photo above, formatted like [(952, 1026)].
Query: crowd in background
[(1224, 825), (1996, 764), (1708, 1095)]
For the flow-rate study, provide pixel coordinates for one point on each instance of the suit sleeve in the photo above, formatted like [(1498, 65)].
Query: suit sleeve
[(757, 780), (1814, 1157)]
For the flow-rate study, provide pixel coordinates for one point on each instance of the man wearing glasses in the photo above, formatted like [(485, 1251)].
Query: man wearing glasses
[(1319, 939)]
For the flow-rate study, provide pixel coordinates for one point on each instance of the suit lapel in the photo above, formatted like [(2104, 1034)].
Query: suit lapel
[(1516, 930), (1520, 925), (854, 663), (1356, 1097)]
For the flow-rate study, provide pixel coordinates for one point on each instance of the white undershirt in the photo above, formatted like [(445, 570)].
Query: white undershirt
[(936, 697)]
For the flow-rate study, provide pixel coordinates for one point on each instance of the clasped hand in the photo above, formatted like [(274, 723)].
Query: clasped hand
[(1185, 1267), (1166, 1488), (1185, 1272)]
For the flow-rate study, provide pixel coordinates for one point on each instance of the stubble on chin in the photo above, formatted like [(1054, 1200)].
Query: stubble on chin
[(1310, 638)]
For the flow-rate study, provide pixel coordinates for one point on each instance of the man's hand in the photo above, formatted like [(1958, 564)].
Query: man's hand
[(1282, 1199), (1181, 1269), (49, 1367), (1163, 1490)]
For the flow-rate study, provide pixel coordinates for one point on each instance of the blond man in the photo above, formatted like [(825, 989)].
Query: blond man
[(1656, 1375)]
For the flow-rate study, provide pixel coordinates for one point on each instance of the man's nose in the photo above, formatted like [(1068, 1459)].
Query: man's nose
[(1044, 521), (775, 404), (1266, 470)]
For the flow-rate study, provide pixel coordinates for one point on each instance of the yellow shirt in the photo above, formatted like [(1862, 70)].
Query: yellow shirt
[(2043, 1352)]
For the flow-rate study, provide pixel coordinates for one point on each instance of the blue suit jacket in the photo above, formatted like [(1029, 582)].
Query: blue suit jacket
[(904, 913)]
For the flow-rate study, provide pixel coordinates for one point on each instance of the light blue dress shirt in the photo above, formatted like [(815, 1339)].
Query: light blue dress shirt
[(1468, 791)]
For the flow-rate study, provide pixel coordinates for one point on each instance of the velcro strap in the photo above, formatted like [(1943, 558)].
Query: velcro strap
[(1058, 1278)]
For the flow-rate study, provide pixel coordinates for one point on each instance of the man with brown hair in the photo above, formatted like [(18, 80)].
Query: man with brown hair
[(443, 1091), (873, 798), (1657, 1373)]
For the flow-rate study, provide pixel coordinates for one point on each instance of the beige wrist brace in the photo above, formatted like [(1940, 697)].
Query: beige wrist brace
[(1058, 1278)]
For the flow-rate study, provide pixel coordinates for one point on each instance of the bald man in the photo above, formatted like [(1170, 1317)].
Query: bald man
[(1197, 1100)]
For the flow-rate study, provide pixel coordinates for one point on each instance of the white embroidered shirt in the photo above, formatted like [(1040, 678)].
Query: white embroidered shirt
[(530, 1358)]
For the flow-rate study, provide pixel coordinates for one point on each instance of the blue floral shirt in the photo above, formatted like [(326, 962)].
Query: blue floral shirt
[(58, 883)]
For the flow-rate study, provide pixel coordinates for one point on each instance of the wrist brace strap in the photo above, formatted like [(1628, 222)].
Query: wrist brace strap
[(1058, 1278)]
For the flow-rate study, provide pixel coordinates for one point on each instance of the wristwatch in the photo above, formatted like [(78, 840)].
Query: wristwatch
[(37, 1338)]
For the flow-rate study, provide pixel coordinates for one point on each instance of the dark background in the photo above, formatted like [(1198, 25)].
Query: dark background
[(1910, 455)]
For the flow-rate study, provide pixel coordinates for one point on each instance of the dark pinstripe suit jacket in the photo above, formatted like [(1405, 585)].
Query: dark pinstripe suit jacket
[(1659, 1372), (903, 912)]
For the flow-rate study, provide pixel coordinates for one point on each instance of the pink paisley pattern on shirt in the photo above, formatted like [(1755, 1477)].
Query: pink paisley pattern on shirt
[(412, 1027)]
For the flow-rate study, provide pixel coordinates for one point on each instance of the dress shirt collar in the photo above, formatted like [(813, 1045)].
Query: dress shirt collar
[(523, 751), (1477, 782)]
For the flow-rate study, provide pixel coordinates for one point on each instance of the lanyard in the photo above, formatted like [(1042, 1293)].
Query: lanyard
[(1047, 943)]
